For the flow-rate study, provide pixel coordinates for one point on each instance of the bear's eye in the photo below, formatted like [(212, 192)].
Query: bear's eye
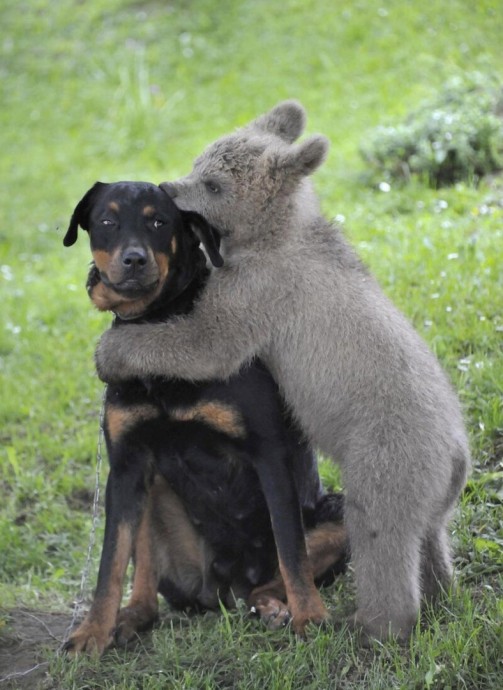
[(212, 186)]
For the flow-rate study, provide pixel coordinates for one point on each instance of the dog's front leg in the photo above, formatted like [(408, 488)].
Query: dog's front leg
[(327, 549), (124, 505), (141, 611), (303, 599)]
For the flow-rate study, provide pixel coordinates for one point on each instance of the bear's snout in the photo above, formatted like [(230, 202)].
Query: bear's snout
[(169, 188)]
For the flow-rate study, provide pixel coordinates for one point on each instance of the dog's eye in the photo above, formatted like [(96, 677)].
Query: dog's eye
[(158, 223), (212, 187), (107, 221)]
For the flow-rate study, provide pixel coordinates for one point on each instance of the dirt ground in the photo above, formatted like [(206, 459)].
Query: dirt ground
[(26, 640)]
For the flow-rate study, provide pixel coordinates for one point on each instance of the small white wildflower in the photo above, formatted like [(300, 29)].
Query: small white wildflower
[(6, 272), (12, 328)]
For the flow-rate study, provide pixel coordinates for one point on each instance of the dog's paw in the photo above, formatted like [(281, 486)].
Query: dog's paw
[(89, 638), (302, 620), (272, 612), (133, 620)]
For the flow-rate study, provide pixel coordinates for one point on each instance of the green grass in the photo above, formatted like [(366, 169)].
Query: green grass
[(134, 90)]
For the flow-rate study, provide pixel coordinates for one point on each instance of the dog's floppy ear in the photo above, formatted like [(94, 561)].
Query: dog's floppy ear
[(80, 216), (206, 234)]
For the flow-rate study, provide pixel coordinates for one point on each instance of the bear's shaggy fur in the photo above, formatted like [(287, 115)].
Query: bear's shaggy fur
[(363, 385)]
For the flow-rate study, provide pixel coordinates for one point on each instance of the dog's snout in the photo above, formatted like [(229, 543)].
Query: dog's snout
[(134, 257), (170, 189)]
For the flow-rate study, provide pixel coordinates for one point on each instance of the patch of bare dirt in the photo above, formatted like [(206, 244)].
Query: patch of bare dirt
[(27, 638)]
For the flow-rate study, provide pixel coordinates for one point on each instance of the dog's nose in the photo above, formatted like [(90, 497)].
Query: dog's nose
[(169, 188), (134, 257)]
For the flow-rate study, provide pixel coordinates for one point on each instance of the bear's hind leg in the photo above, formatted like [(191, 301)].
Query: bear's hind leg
[(386, 562), (436, 564)]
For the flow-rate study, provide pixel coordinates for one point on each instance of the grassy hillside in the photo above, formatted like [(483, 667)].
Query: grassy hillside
[(133, 90)]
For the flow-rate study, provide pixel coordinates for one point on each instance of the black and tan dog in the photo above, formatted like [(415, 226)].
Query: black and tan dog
[(210, 485)]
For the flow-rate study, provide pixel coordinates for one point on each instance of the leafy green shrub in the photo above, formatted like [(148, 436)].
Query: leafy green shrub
[(456, 136)]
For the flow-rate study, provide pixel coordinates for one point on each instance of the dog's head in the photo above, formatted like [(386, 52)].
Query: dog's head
[(142, 245)]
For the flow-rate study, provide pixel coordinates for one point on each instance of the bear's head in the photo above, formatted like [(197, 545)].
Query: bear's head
[(253, 182)]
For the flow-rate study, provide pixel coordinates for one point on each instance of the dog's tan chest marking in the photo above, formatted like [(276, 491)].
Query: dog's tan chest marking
[(119, 420), (221, 417)]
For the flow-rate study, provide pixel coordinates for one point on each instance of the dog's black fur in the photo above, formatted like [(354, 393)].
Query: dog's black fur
[(198, 472)]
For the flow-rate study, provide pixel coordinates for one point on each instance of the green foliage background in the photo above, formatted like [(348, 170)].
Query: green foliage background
[(133, 90), (458, 136)]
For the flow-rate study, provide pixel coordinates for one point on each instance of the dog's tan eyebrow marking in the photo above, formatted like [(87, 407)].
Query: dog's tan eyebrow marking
[(114, 206), (148, 210)]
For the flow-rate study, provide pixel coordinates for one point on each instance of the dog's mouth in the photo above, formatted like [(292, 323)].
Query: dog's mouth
[(130, 288), (128, 298)]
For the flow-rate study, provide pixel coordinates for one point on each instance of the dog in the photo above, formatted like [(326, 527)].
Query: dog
[(360, 381), (211, 485)]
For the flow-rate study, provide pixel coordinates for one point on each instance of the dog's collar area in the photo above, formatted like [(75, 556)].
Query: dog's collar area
[(128, 318)]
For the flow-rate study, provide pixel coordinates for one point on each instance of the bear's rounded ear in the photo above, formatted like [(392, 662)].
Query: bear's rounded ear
[(309, 155), (206, 234), (298, 161), (80, 216), (286, 120)]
